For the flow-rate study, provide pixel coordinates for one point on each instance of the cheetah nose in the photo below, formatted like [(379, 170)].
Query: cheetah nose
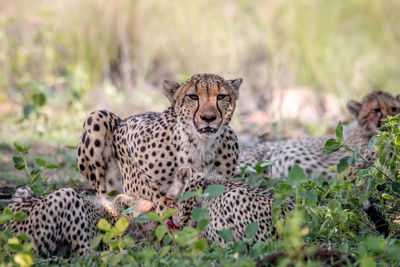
[(208, 118)]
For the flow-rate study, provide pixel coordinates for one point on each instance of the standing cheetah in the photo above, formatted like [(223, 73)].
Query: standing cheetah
[(139, 155), (238, 206), (307, 152)]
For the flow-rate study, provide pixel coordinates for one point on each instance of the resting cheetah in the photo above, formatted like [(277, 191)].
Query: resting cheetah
[(61, 222), (141, 153), (238, 206), (307, 152)]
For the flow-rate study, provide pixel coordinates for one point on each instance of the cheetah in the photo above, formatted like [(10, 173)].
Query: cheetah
[(139, 155), (238, 206), (63, 222), (307, 152), (54, 221)]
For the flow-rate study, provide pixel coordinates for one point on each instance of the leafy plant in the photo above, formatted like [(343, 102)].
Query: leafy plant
[(36, 179), (16, 249)]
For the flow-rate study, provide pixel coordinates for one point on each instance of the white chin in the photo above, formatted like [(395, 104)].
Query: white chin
[(204, 137)]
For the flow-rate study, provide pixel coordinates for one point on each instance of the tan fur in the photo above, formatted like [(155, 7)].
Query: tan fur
[(150, 147), (238, 206), (307, 152)]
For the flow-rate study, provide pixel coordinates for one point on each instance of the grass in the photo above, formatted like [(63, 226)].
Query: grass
[(96, 54), (83, 55)]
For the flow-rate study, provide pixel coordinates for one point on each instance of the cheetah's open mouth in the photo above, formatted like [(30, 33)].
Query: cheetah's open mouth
[(206, 132)]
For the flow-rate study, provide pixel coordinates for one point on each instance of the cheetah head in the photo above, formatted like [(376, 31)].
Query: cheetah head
[(204, 103), (374, 107)]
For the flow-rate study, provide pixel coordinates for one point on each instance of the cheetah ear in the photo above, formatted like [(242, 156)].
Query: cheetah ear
[(184, 173), (235, 83), (354, 107), (170, 88)]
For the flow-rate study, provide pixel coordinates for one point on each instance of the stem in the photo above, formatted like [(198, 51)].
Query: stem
[(26, 166), (368, 162)]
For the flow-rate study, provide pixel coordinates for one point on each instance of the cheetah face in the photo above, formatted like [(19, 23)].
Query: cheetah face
[(204, 103), (374, 107)]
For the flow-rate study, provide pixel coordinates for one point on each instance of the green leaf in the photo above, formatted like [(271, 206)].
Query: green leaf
[(202, 224), (168, 213), (396, 186), (167, 240), (311, 195), (113, 193), (388, 197), (160, 231), (129, 242), (23, 236), (331, 145), (198, 214), (165, 249), (41, 162), (142, 219), (200, 245), (296, 176), (339, 131), (226, 234), (251, 230), (130, 210), (104, 225), (115, 259), (187, 195), (18, 162), (214, 191), (6, 215), (122, 224), (96, 241), (239, 247), (28, 109), (20, 216), (52, 166), (20, 148), (109, 235), (343, 164), (154, 217), (39, 99), (23, 259)]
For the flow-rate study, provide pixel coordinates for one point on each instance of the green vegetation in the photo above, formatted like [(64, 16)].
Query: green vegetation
[(328, 213), (61, 59)]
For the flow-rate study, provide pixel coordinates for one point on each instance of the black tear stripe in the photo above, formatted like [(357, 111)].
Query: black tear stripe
[(194, 114), (219, 111)]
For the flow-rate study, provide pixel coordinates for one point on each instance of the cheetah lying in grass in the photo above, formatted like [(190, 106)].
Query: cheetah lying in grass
[(307, 152), (64, 222), (238, 206)]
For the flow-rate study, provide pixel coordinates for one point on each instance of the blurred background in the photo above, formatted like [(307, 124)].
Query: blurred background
[(301, 62)]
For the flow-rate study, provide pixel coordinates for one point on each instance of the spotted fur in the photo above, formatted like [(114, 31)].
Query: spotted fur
[(307, 152), (140, 154), (62, 222), (237, 207)]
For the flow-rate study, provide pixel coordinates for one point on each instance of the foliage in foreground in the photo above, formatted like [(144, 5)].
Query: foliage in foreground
[(328, 213)]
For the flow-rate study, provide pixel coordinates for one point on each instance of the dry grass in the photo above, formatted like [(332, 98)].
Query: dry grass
[(114, 54)]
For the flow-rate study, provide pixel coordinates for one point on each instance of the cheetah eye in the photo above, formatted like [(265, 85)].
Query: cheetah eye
[(193, 97), (395, 109), (220, 97), (377, 110)]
